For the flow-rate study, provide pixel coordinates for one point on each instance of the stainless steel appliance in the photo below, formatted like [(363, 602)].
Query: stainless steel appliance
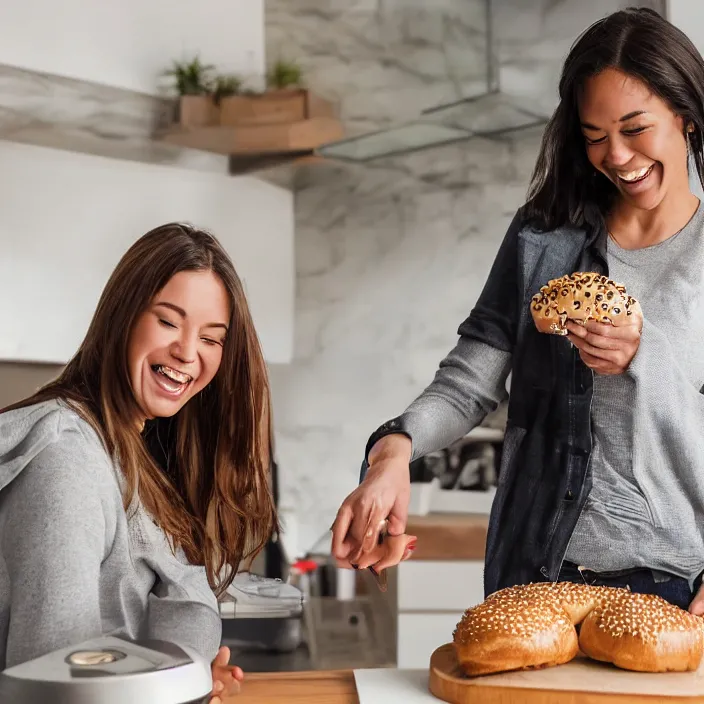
[(110, 670)]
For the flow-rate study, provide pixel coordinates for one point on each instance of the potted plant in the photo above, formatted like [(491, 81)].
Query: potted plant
[(285, 75), (284, 101), (225, 86), (194, 85)]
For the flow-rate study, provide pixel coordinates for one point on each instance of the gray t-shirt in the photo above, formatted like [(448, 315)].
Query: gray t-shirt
[(73, 564), (622, 524)]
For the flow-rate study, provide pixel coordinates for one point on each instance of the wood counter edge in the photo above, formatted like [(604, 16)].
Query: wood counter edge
[(449, 536), (335, 675), (309, 686)]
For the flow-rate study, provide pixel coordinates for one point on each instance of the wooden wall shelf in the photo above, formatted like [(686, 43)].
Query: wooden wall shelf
[(258, 146), (53, 111), (255, 131)]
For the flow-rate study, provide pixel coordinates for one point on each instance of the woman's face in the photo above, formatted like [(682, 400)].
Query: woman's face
[(176, 345), (633, 138)]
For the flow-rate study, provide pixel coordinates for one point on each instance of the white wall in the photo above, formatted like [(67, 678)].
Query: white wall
[(65, 220), (688, 15), (128, 43)]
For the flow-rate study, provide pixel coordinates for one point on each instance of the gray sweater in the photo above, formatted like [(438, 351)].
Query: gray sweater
[(646, 507), (72, 566)]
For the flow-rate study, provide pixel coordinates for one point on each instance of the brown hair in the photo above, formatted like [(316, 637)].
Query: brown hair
[(219, 507)]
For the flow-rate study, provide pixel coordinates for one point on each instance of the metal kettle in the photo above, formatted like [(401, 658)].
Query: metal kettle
[(110, 670)]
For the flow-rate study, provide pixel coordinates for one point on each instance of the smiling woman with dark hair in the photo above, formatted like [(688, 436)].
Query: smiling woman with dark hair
[(96, 537), (638, 62), (602, 475)]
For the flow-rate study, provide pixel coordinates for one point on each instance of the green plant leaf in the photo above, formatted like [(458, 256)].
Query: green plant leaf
[(191, 77), (285, 74), (225, 85)]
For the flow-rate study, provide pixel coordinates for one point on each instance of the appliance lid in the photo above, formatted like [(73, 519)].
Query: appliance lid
[(110, 670)]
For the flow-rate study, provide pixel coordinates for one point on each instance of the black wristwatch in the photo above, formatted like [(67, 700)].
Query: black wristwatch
[(391, 427)]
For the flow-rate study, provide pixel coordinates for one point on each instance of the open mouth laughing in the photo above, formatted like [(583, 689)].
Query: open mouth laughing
[(637, 176), (171, 380)]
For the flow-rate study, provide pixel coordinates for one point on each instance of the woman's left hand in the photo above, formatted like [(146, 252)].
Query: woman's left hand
[(605, 348), (226, 677)]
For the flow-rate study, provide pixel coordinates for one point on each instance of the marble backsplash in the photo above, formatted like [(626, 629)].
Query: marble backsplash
[(392, 255), (75, 115)]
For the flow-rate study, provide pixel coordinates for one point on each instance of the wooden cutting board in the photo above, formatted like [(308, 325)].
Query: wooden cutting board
[(581, 681)]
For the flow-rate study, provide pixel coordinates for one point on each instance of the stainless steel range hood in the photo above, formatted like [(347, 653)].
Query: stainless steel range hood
[(489, 114)]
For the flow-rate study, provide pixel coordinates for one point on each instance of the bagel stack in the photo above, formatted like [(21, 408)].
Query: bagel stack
[(535, 625)]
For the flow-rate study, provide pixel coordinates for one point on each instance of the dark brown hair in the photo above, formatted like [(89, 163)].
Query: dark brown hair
[(565, 188), (218, 507)]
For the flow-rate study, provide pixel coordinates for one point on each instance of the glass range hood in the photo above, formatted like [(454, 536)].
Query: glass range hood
[(489, 114)]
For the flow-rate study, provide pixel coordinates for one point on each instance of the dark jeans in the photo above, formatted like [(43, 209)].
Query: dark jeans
[(675, 590)]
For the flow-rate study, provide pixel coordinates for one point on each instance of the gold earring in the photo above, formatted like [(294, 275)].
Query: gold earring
[(690, 128)]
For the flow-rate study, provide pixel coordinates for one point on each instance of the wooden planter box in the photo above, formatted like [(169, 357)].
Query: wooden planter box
[(256, 131), (273, 107), (196, 111)]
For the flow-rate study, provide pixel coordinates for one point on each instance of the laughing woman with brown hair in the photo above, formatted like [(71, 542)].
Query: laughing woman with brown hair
[(96, 537)]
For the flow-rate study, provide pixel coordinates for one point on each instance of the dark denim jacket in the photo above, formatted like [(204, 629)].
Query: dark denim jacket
[(543, 481)]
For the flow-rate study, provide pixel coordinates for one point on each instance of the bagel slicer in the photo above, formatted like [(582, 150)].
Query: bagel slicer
[(110, 670)]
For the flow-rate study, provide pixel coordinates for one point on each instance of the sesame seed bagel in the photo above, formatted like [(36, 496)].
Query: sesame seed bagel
[(523, 627), (534, 625), (643, 632), (580, 297), (577, 599)]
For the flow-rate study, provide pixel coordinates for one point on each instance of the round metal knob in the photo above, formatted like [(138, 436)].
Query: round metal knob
[(94, 657)]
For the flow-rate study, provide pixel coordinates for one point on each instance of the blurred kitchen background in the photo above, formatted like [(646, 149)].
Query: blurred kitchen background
[(362, 219)]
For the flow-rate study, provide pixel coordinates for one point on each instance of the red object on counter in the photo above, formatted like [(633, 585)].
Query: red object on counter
[(305, 566)]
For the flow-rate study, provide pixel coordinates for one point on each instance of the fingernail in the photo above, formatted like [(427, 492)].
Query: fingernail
[(219, 686)]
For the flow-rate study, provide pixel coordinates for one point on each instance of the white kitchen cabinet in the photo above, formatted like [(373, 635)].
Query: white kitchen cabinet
[(419, 634), (432, 596)]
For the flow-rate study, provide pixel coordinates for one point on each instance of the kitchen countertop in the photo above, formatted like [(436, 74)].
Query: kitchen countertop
[(314, 687), (405, 686)]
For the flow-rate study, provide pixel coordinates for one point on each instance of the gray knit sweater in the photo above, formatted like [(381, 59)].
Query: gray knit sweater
[(646, 507), (72, 566)]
